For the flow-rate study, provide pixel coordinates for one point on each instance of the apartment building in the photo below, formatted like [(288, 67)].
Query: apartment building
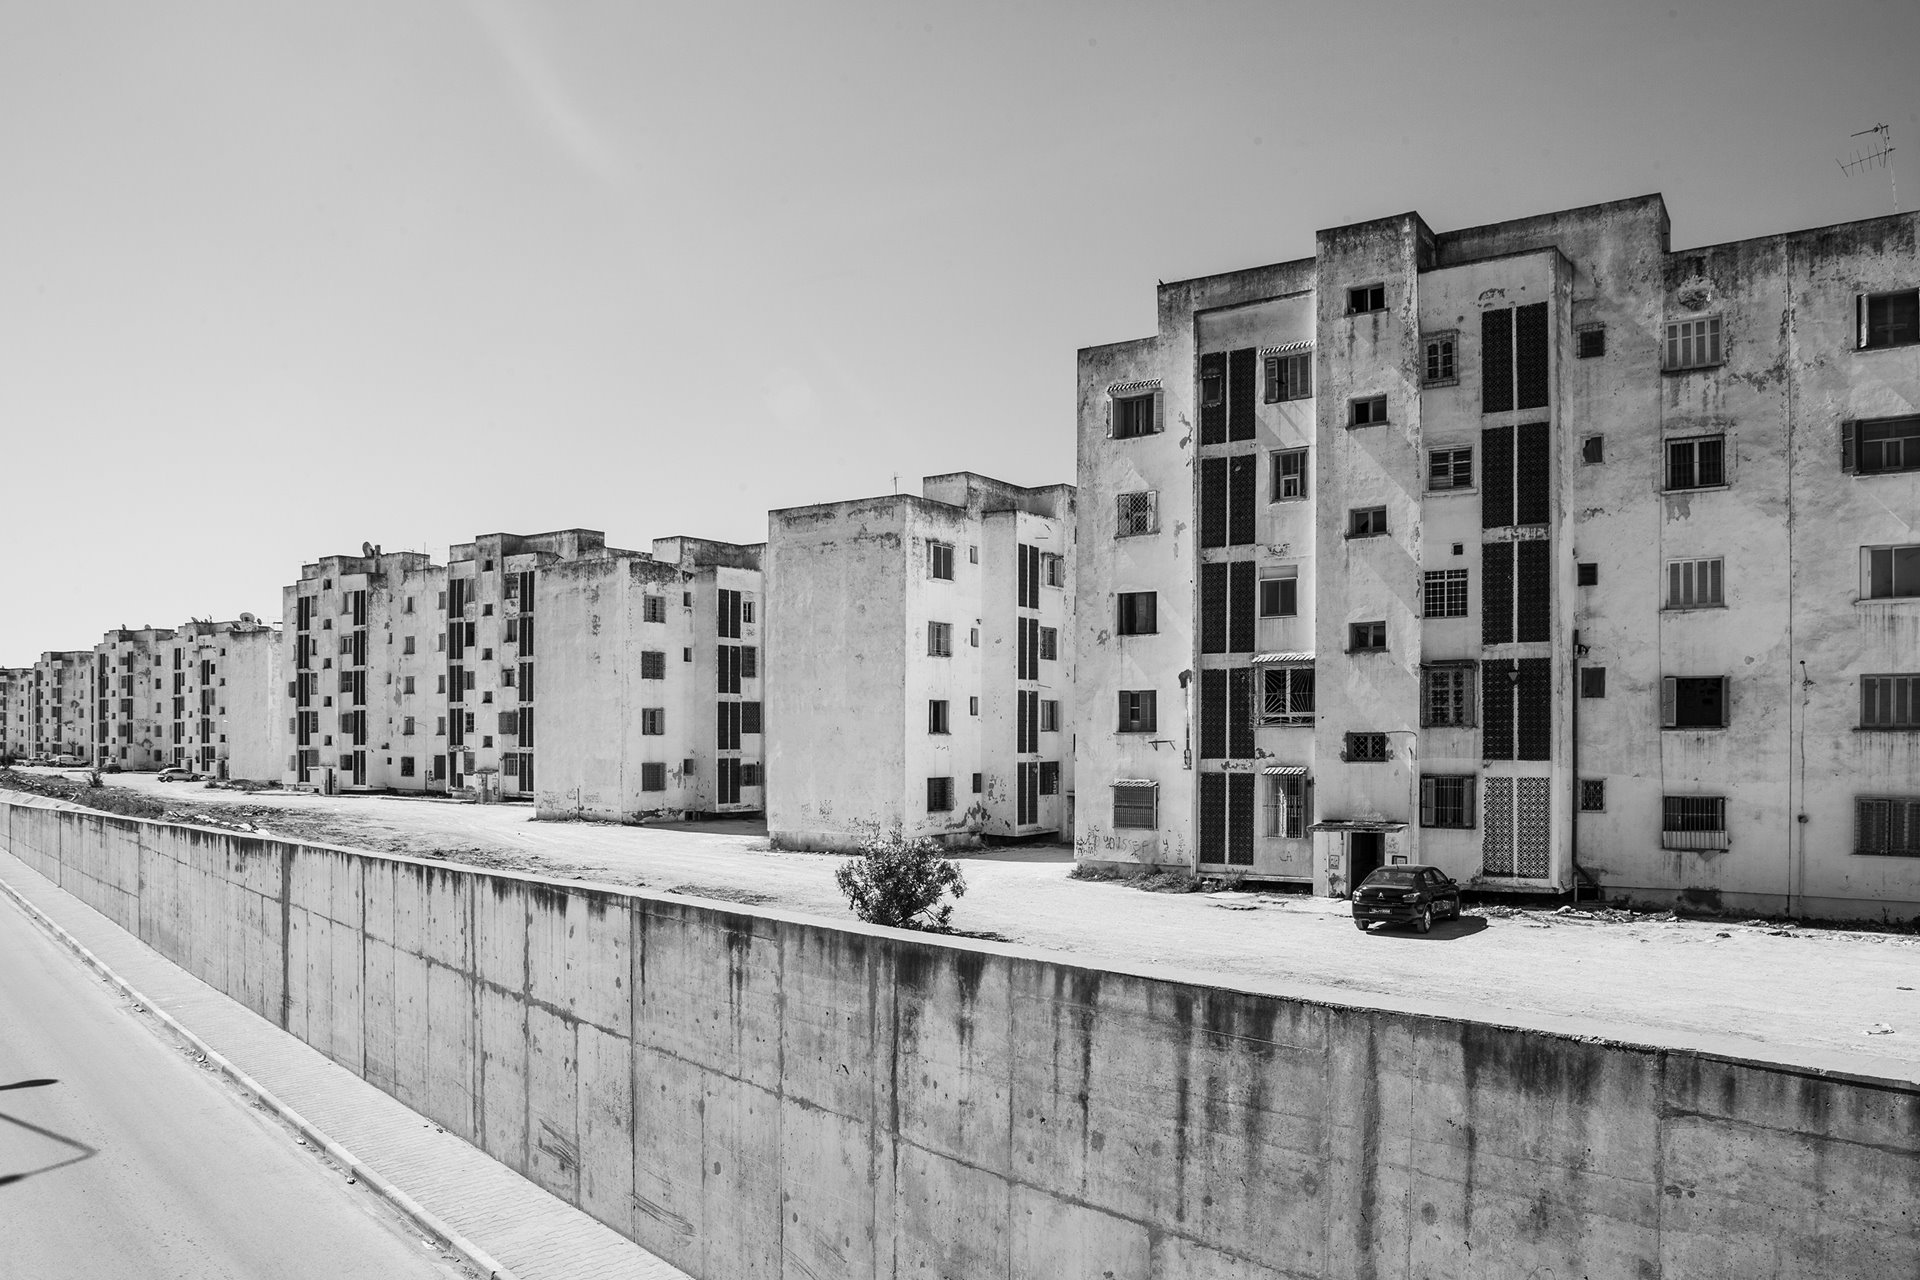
[(1538, 551), (225, 698), (16, 711), (63, 705), (649, 682), (916, 674), (364, 659), (130, 684)]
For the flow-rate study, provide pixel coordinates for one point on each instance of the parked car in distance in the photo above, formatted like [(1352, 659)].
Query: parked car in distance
[(177, 775), (1406, 895), (112, 766)]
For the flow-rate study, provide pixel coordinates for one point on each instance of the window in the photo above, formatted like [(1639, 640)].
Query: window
[(653, 609), (1449, 469), (749, 662), (1593, 795), (1286, 695), (1693, 344), (940, 560), (1137, 513), (653, 665), (653, 777), (1591, 340), (1289, 377), (1136, 415), (1365, 298), (1049, 777), (937, 716), (1693, 822), (1593, 682), (973, 637), (1289, 475), (1694, 584), (1280, 592), (1880, 444), (1693, 702), (1446, 593), (1890, 319), (1890, 702), (1138, 712), (1437, 354), (406, 726), (1698, 463), (976, 783), (1136, 806), (1365, 748), (1446, 695), (750, 773), (750, 716), (1367, 411), (1049, 644), (973, 706), (653, 721), (686, 654), (1587, 574), (973, 553), (939, 795), (1593, 449), (406, 766), (1363, 637), (1887, 826), (688, 767), (406, 644), (1053, 570), (1049, 715), (1366, 522), (940, 639), (1446, 801), (1213, 387), (1286, 809), (1137, 613), (1889, 572), (746, 609)]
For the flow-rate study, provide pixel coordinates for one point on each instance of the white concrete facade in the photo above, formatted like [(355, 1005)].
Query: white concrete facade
[(16, 711), (62, 708), (1642, 412), (919, 671), (131, 717), (222, 703)]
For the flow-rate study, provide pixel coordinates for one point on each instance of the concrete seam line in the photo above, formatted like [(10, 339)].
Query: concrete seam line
[(420, 1215)]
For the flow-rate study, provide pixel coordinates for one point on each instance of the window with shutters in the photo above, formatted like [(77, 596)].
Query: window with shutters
[(1890, 319), (1366, 637), (1136, 613), (1366, 522), (940, 639), (1445, 593), (1136, 806), (1447, 801), (940, 560), (1593, 682), (1289, 377), (1446, 695), (1890, 702), (1888, 573), (1696, 463), (1286, 694), (939, 795), (1366, 411), (653, 665), (1449, 469), (1593, 795), (653, 721), (1136, 415), (1693, 822), (1367, 297), (1289, 475), (1693, 344), (653, 777), (1437, 368), (1049, 645), (1876, 445), (1693, 702), (1695, 584), (1590, 340), (653, 608), (1138, 711), (1365, 748), (1887, 826), (1137, 513), (1053, 570), (1049, 715), (1279, 591)]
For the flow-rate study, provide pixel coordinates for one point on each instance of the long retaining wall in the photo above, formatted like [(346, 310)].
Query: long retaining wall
[(754, 1095)]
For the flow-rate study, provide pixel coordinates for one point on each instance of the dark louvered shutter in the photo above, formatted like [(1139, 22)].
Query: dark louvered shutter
[(1496, 593), (526, 727), (1213, 608), (1242, 366), (1533, 591), (1213, 714), (1535, 709), (1240, 819), (1213, 502), (1241, 601), (1241, 473), (1496, 479), (1020, 592), (1213, 417), (1496, 707), (1847, 463), (1033, 722), (1531, 473), (1530, 356), (1496, 361), (1213, 817), (1240, 713), (1020, 649)]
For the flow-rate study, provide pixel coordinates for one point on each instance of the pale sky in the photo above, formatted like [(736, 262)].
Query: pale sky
[(277, 279)]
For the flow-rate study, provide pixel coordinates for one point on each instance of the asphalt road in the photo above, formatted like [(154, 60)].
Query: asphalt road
[(121, 1157)]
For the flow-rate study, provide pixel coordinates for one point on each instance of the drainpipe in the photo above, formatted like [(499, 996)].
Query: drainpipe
[(1573, 820)]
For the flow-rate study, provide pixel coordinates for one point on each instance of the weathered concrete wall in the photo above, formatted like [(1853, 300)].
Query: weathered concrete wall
[(750, 1094)]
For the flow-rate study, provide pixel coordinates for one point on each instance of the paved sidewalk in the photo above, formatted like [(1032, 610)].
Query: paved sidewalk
[(531, 1232)]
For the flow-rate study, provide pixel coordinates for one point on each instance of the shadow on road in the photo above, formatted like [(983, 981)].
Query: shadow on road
[(1443, 930), (9, 1177)]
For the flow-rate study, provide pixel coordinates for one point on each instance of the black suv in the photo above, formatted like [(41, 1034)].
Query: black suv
[(1406, 895)]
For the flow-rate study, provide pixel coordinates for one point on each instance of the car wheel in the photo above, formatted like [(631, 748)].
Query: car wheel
[(1361, 925), (1425, 923)]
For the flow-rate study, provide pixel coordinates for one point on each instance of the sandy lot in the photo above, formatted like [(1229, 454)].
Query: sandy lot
[(1805, 995)]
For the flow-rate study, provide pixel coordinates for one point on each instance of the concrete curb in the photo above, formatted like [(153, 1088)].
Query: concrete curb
[(420, 1216)]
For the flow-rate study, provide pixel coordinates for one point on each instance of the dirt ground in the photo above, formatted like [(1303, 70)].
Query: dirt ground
[(1826, 996)]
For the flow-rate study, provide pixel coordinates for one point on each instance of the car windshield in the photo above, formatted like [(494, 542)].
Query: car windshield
[(1398, 877)]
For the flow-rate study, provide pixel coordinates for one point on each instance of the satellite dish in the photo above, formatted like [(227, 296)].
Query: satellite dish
[(366, 549), (248, 618)]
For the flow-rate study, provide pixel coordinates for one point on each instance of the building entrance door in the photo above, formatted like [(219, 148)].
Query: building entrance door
[(1364, 853)]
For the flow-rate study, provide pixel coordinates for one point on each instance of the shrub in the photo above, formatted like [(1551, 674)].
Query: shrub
[(899, 882)]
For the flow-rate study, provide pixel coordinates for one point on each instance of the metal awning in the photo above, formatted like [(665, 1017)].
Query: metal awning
[(1305, 344), (1133, 782), (1128, 388), (1302, 658), (1344, 824), (1285, 771)]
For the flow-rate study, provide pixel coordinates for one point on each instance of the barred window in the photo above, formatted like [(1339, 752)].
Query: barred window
[(654, 609), (1693, 344), (1890, 702), (1446, 593), (1693, 813), (653, 665), (1366, 748), (1136, 805), (1286, 809), (1138, 513), (939, 795), (1446, 801), (653, 777), (1593, 795), (1696, 463), (1446, 695), (1286, 695), (1887, 826)]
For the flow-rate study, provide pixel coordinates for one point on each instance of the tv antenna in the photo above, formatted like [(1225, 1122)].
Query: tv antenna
[(1872, 155)]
